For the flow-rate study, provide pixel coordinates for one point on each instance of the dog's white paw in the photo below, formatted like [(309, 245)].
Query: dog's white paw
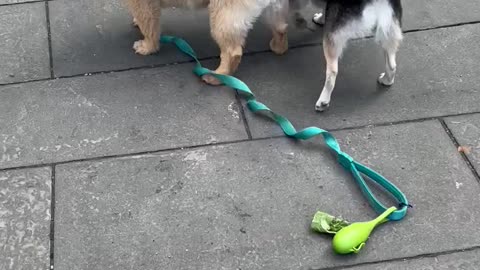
[(144, 48), (318, 18), (384, 80), (322, 106)]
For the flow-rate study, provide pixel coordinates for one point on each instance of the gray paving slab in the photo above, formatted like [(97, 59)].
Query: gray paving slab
[(436, 76), (25, 197), (468, 260), (111, 114), (102, 38), (24, 42), (466, 130), (248, 205), (428, 13)]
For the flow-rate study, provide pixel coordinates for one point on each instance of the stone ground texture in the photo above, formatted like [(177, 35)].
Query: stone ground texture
[(109, 160)]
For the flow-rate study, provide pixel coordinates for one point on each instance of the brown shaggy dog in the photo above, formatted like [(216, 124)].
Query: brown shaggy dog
[(230, 21)]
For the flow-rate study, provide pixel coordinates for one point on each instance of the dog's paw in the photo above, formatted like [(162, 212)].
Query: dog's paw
[(321, 106), (144, 48), (318, 18), (279, 46), (211, 80), (384, 80)]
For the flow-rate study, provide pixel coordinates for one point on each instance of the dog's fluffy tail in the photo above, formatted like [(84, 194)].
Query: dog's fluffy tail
[(387, 24)]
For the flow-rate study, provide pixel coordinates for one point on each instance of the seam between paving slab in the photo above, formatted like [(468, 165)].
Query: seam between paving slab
[(244, 116), (49, 39), (421, 256), (246, 54), (23, 3), (457, 144), (179, 148), (52, 215), (441, 26)]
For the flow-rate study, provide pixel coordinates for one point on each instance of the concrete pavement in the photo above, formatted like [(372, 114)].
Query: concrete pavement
[(110, 160)]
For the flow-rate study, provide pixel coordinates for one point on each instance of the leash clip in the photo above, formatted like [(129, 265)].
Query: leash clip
[(402, 204)]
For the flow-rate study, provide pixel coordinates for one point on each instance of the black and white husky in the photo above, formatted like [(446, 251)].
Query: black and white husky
[(349, 19)]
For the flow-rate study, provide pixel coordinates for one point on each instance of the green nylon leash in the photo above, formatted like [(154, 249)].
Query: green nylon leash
[(347, 162)]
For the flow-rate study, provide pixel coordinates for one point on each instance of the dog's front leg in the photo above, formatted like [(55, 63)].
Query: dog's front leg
[(277, 16), (146, 15)]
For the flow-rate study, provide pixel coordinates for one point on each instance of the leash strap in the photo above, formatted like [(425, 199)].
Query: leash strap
[(347, 162)]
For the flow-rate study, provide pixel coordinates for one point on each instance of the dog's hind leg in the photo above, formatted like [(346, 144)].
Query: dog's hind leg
[(390, 44), (332, 51), (230, 22), (277, 16), (147, 16)]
